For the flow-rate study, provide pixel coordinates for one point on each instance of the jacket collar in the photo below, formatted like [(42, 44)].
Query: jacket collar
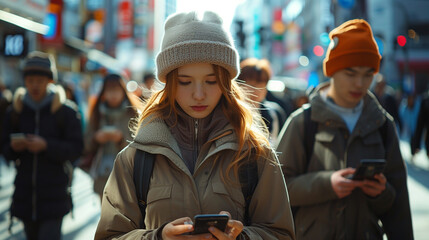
[(155, 136), (373, 115), (59, 98)]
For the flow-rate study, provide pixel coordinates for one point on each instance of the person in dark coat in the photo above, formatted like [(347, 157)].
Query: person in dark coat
[(422, 124), (42, 134), (386, 96), (256, 73)]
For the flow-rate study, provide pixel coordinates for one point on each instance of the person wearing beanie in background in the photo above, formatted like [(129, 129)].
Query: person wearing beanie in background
[(256, 73), (321, 146), (42, 134), (202, 135)]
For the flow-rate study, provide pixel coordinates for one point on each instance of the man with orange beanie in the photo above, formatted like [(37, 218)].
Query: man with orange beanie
[(322, 144)]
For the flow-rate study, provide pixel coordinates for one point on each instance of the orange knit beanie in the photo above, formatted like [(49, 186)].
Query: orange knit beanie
[(352, 44)]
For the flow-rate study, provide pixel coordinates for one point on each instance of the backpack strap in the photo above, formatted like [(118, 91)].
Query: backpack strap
[(143, 167), (310, 129), (248, 175)]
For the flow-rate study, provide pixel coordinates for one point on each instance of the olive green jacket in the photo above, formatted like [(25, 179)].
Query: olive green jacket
[(174, 192), (321, 214)]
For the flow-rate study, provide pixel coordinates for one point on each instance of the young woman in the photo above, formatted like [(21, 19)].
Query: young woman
[(107, 132), (201, 131)]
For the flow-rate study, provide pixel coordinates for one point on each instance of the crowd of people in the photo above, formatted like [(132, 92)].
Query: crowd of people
[(214, 140)]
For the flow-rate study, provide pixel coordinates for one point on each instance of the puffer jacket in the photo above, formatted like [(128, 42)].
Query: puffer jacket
[(118, 118), (42, 181), (175, 192), (321, 214)]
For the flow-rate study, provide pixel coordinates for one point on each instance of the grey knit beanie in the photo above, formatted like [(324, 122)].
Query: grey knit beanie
[(188, 39), (40, 63)]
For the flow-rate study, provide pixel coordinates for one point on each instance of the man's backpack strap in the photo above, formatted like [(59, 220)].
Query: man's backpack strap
[(248, 175), (143, 167), (310, 129)]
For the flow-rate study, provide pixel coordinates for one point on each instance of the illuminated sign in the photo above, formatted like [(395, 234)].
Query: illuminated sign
[(14, 45)]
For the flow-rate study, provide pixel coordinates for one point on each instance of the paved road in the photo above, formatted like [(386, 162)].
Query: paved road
[(80, 225), (86, 211)]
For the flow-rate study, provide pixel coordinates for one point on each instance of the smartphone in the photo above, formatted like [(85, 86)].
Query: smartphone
[(202, 222), (109, 129), (368, 168), (17, 136)]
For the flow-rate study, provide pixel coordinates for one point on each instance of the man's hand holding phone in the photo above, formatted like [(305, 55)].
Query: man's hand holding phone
[(374, 187), (18, 142)]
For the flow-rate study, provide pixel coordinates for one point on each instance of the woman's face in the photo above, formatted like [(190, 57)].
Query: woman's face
[(198, 90), (113, 95)]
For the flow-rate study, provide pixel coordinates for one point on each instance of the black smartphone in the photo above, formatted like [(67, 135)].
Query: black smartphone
[(368, 168), (202, 222)]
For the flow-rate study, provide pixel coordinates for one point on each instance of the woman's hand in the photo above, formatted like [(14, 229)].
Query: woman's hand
[(116, 136), (175, 230), (233, 229), (101, 137)]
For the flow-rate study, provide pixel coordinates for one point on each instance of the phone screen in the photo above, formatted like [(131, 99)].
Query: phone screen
[(204, 221), (368, 168)]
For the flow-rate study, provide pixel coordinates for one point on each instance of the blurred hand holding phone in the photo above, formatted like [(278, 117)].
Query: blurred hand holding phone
[(368, 168), (18, 141)]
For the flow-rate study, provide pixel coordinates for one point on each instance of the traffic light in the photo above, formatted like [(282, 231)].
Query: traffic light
[(401, 40), (318, 50)]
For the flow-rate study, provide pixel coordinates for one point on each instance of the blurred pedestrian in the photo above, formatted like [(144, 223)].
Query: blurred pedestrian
[(256, 73), (386, 96), (408, 113), (148, 85), (5, 101), (422, 125), (322, 144), (42, 134), (69, 89), (108, 129), (200, 129)]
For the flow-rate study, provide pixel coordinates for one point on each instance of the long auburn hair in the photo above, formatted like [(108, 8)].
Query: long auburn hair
[(249, 127), (94, 108)]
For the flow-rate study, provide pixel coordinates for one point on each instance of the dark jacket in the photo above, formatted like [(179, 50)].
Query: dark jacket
[(42, 180), (422, 124), (321, 214), (5, 101)]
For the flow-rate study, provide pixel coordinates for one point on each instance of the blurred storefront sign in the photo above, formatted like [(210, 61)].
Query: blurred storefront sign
[(23, 22), (34, 9), (94, 55), (14, 45), (125, 19), (53, 19)]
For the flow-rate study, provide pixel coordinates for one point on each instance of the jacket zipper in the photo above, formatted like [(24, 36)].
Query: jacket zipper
[(34, 176), (196, 140)]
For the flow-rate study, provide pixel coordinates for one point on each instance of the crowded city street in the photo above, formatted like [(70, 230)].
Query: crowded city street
[(81, 224), (220, 120)]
